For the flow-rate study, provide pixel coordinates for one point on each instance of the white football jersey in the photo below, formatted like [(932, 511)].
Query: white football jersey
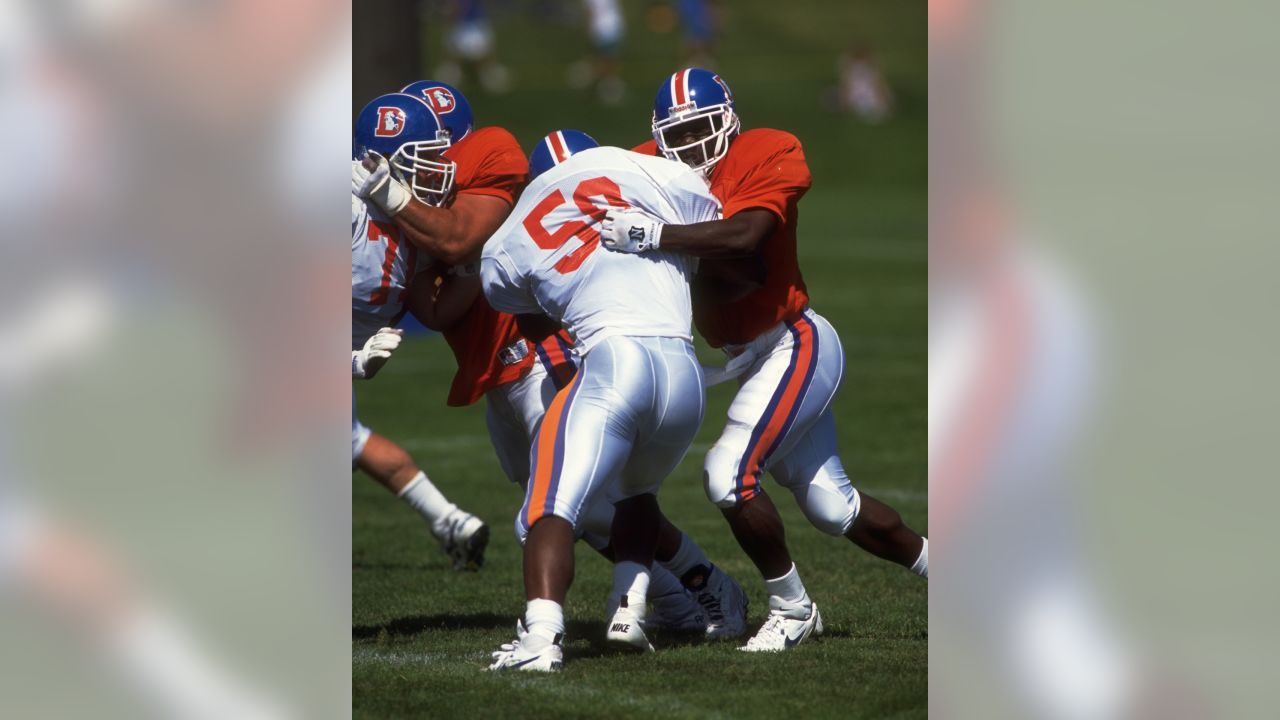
[(546, 258), (383, 263)]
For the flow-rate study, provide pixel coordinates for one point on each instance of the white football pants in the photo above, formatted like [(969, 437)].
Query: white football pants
[(780, 421), (615, 431)]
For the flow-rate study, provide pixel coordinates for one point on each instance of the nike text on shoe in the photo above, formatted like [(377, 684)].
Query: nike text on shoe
[(788, 624), (624, 629), (464, 538), (722, 600), (531, 652)]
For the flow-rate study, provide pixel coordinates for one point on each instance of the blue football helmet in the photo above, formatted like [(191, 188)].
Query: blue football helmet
[(405, 132), (694, 118), (449, 104), (557, 147)]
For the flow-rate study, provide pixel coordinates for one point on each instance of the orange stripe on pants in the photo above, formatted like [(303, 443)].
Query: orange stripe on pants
[(545, 467), (776, 422)]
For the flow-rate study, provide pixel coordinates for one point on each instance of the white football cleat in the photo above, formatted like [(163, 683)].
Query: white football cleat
[(678, 611), (788, 624), (625, 627), (463, 537), (724, 605), (530, 651)]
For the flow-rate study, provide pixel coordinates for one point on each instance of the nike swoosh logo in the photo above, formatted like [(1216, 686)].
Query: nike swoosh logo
[(793, 641), (522, 663)]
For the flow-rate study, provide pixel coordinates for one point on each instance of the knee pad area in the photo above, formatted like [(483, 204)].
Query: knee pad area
[(719, 476), (828, 510), (522, 530)]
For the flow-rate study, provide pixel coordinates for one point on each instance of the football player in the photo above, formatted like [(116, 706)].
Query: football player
[(628, 416), (404, 132), (448, 209), (515, 408), (789, 356), (464, 189)]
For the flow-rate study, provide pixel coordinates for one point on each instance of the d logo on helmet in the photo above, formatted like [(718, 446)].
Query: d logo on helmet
[(440, 100), (728, 95), (390, 122)]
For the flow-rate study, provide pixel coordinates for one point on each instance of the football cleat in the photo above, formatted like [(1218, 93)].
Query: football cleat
[(724, 605), (787, 626), (675, 611), (530, 651), (625, 627), (463, 537)]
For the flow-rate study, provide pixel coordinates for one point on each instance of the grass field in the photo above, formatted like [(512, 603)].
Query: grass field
[(422, 633)]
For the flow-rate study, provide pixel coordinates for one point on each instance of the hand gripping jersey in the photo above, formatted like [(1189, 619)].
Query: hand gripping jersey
[(763, 169), (383, 265), (486, 343), (546, 258)]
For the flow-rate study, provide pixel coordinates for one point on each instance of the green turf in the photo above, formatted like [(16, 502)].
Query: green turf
[(422, 633)]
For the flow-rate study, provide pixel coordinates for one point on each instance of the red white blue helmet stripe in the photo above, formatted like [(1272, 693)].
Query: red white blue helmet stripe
[(680, 88), (557, 147)]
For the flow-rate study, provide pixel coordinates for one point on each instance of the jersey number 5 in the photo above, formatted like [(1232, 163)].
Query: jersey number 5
[(583, 229)]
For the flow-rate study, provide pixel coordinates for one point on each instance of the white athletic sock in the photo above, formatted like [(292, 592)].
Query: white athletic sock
[(426, 499), (663, 582), (632, 580), (544, 617), (688, 557), (921, 566), (788, 587)]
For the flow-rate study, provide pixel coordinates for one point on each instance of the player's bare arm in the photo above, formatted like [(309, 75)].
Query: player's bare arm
[(738, 236), (449, 234), (453, 234), (441, 296)]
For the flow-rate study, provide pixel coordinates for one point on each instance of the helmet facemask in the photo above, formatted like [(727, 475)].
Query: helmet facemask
[(699, 138), (424, 168)]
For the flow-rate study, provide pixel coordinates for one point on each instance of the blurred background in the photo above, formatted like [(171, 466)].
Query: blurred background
[(828, 73), (174, 515), (1098, 403), (174, 507)]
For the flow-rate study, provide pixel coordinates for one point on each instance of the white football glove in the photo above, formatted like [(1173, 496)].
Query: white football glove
[(367, 361), (379, 186), (630, 231)]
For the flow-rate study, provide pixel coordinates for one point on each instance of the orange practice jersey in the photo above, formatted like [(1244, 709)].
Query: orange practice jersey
[(763, 169), (486, 343)]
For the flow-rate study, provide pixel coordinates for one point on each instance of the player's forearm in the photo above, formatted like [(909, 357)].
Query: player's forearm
[(737, 236), (707, 239), (436, 231)]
